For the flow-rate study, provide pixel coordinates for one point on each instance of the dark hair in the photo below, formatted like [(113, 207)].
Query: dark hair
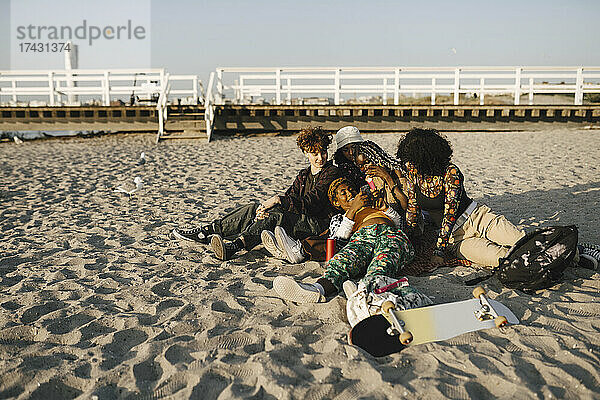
[(312, 140), (373, 152), (427, 150), (331, 192), (376, 155), (348, 168)]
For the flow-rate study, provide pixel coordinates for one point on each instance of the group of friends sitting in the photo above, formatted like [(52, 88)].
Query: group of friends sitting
[(375, 206)]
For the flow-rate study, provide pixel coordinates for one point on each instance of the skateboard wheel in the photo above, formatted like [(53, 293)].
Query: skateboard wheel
[(500, 321), (478, 291), (387, 305), (406, 337)]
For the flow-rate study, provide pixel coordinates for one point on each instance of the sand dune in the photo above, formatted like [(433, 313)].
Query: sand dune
[(97, 301)]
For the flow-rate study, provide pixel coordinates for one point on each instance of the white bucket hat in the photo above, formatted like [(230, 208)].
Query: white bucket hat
[(347, 135)]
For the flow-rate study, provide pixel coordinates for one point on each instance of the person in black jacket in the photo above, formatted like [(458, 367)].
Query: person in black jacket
[(303, 210)]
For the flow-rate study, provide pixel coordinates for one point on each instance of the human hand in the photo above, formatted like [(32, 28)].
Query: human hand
[(271, 202), (376, 170), (261, 212), (360, 200), (378, 200)]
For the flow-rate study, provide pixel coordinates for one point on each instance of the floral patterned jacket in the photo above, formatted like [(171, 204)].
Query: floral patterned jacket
[(452, 203)]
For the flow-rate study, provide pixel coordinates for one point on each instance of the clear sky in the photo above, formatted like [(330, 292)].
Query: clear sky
[(197, 36)]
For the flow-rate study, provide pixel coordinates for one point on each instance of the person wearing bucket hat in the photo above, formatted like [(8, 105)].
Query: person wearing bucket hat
[(365, 161), (347, 135)]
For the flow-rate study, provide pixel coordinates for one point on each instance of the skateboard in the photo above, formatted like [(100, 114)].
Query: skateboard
[(393, 330)]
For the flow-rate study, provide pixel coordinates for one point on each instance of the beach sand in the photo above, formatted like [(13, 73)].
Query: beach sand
[(98, 301)]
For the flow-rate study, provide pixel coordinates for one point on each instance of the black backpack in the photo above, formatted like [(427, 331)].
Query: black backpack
[(538, 259)]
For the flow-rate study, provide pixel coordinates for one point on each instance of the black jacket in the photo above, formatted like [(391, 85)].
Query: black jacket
[(316, 202)]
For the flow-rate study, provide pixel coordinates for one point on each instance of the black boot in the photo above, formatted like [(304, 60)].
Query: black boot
[(225, 250)]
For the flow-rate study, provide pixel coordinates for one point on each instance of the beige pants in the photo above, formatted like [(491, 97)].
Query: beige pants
[(484, 237)]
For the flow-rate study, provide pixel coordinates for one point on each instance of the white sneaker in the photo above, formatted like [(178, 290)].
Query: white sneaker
[(299, 292), (270, 243), (290, 247), (349, 288)]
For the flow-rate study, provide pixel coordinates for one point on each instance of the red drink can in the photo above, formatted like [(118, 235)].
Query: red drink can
[(330, 249)]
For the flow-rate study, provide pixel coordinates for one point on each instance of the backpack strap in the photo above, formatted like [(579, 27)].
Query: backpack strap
[(475, 281)]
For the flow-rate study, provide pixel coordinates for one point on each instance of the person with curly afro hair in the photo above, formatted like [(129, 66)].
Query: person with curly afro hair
[(303, 210), (467, 229)]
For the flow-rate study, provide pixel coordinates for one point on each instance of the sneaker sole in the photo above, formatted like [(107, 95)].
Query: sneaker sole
[(269, 242), (216, 242), (289, 289), (281, 242), (591, 259), (180, 236)]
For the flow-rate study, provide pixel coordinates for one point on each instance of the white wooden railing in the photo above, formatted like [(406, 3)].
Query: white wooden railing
[(209, 106), (87, 86), (161, 106), (245, 85)]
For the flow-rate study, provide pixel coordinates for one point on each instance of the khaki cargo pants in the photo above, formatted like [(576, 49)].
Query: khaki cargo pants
[(485, 237)]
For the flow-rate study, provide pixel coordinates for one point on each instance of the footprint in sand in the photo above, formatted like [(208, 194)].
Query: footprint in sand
[(146, 373), (55, 389), (62, 326), (178, 354), (36, 312), (118, 350), (210, 386)]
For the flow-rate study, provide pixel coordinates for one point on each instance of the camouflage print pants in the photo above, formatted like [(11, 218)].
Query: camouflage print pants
[(373, 251)]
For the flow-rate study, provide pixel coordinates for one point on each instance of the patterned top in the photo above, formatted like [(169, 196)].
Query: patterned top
[(450, 186)]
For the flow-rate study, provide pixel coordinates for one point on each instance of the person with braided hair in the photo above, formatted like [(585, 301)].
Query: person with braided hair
[(362, 159)]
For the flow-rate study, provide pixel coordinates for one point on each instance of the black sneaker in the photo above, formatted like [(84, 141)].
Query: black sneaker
[(199, 235), (589, 257), (223, 250)]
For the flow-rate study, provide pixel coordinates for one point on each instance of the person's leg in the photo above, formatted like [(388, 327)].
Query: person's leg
[(352, 260), (481, 251), (392, 251), (494, 227), (297, 226), (485, 237), (303, 226), (252, 228), (251, 234), (234, 223)]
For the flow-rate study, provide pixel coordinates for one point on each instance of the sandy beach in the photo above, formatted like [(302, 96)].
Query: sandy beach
[(98, 301)]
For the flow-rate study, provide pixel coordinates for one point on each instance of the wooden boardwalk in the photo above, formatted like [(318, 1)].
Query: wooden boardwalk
[(189, 121)]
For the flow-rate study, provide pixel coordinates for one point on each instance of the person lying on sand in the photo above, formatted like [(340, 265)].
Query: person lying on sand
[(362, 159), (313, 247), (303, 210), (466, 229), (358, 159), (376, 248)]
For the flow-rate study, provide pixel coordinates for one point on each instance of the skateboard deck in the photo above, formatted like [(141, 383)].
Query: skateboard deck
[(426, 324)]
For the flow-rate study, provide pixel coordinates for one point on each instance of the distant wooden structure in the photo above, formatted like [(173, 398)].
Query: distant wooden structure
[(237, 99), (137, 100)]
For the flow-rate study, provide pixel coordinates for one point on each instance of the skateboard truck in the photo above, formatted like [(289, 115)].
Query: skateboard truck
[(487, 312), (397, 326)]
